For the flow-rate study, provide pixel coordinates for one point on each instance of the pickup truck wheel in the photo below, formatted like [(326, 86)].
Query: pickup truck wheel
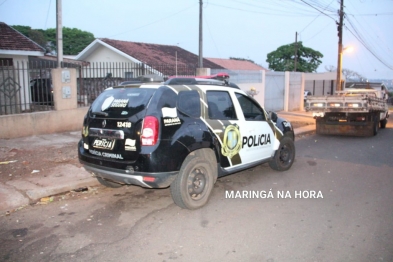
[(108, 183), (284, 156), (383, 123), (192, 187)]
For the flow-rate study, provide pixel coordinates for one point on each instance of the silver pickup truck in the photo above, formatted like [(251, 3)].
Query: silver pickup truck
[(354, 111)]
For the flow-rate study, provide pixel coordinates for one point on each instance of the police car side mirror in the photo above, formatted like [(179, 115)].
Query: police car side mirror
[(273, 116)]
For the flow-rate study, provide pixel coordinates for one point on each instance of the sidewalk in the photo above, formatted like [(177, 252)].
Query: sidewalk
[(300, 116), (63, 177), (33, 185)]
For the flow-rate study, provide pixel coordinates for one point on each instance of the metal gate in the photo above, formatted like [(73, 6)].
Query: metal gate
[(274, 91), (320, 87), (96, 77)]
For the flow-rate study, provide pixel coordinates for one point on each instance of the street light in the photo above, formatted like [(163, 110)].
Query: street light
[(341, 50), (348, 49)]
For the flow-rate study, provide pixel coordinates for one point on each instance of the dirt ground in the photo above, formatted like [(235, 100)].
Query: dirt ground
[(21, 163)]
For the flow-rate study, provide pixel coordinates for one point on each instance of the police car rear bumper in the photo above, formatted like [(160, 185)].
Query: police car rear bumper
[(149, 180)]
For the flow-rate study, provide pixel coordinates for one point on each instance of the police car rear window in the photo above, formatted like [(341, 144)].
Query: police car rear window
[(122, 102)]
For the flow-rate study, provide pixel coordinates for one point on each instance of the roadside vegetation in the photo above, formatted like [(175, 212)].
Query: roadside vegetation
[(74, 40)]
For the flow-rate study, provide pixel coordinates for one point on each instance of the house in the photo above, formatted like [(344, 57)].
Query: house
[(16, 47), (239, 71), (21, 61), (161, 59), (15, 50), (232, 64)]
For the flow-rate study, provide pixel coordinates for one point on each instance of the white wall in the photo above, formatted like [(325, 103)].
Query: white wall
[(21, 62), (98, 60), (320, 76), (259, 89), (321, 83), (65, 117), (103, 54), (295, 91), (279, 91)]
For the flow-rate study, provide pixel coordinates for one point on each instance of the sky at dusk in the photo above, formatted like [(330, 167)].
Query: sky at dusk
[(231, 28)]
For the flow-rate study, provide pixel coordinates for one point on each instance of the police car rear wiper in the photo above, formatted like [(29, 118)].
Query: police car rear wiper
[(100, 113)]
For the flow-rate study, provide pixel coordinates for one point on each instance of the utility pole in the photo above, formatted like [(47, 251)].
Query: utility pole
[(59, 33), (200, 35), (340, 46), (295, 51)]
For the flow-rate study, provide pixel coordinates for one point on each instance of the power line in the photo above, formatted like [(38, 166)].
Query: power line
[(269, 6), (320, 5), (323, 8), (358, 36), (154, 22), (320, 31), (367, 41), (372, 35), (47, 13), (316, 17), (317, 10), (211, 36), (380, 14), (288, 13)]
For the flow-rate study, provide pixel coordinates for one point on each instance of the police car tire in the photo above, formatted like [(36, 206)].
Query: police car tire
[(284, 156), (193, 185), (108, 183)]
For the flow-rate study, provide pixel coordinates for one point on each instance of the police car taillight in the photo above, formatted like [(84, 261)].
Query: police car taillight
[(149, 131)]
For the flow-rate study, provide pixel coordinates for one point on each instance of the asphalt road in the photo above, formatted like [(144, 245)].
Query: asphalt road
[(334, 204)]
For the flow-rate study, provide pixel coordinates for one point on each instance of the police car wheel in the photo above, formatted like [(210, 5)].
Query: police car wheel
[(108, 183), (284, 156), (192, 187)]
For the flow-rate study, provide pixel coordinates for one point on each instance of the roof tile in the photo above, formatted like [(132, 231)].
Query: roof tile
[(154, 54), (13, 40), (233, 64)]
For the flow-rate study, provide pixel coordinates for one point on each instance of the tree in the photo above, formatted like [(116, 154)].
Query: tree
[(37, 35), (349, 74), (242, 59), (330, 68), (283, 58), (74, 40), (352, 75), (24, 30)]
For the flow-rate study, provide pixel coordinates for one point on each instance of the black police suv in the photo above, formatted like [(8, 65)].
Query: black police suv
[(183, 136)]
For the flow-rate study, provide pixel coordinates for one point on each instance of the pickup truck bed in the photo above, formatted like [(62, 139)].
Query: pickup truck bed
[(357, 112)]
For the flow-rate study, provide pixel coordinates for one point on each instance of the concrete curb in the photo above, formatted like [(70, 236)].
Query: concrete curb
[(304, 129), (36, 194), (63, 178), (295, 113)]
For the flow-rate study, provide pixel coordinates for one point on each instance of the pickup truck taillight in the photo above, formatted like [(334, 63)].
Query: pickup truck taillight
[(149, 131)]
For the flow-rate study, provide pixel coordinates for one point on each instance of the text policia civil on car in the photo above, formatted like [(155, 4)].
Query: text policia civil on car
[(183, 133)]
